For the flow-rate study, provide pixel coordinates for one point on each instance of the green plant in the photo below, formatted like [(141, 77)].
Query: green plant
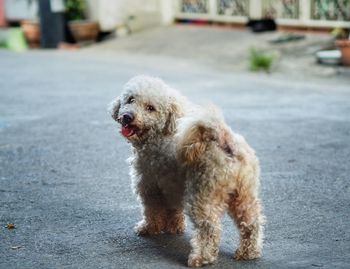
[(2, 45), (75, 9), (339, 33), (259, 60)]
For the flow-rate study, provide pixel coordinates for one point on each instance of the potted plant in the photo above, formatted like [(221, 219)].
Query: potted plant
[(344, 47), (31, 30), (259, 60), (82, 29)]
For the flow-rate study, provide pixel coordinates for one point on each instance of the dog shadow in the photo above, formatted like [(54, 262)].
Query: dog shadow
[(173, 248), (176, 248)]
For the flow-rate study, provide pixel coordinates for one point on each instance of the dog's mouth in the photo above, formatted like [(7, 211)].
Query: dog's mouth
[(129, 130)]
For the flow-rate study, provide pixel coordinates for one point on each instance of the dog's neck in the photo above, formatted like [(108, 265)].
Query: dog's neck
[(153, 146)]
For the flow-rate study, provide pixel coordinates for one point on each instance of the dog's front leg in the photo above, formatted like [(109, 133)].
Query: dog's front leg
[(154, 220), (154, 210), (153, 206), (175, 221)]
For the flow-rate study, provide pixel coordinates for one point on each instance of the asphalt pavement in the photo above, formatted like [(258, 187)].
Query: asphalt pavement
[(64, 181)]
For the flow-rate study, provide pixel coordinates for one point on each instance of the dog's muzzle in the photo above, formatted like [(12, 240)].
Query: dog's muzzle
[(126, 118)]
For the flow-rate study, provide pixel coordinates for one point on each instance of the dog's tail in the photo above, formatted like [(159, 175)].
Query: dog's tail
[(200, 133)]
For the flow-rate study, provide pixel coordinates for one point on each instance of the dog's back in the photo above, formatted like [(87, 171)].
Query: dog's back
[(204, 135)]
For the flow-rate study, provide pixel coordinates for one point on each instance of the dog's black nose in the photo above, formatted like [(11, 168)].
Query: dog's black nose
[(127, 118)]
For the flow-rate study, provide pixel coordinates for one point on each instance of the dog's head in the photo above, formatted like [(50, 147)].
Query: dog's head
[(146, 109)]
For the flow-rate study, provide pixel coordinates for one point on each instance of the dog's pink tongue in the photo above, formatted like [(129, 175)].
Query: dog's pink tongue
[(127, 131)]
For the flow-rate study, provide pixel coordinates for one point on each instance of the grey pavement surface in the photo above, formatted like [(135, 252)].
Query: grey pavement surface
[(64, 180)]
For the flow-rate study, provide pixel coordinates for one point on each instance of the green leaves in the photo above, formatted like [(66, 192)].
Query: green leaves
[(75, 9), (259, 60)]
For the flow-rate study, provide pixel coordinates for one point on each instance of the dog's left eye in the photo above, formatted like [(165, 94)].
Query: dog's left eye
[(130, 100), (150, 108)]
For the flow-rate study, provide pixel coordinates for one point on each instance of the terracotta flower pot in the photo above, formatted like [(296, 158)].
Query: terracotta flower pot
[(31, 30), (84, 30), (3, 22), (344, 46)]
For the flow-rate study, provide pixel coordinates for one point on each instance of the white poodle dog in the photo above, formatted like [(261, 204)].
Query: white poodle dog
[(222, 174), (175, 146), (147, 111)]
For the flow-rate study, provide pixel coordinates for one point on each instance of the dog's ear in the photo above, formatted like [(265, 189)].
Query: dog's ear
[(113, 108), (174, 113)]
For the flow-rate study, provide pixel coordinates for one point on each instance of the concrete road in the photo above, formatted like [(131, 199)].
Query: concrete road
[(64, 180)]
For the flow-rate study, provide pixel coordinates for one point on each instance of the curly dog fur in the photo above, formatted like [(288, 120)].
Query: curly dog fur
[(222, 174), (157, 179), (185, 157)]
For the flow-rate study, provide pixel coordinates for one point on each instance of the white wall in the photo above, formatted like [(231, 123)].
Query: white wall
[(112, 13), (21, 9)]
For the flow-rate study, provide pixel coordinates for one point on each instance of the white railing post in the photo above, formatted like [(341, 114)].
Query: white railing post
[(305, 11), (255, 9), (177, 6), (167, 10), (212, 9)]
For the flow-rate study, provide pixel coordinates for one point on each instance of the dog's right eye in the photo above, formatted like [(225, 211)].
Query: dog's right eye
[(131, 99)]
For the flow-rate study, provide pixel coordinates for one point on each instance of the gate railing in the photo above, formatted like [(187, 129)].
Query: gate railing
[(306, 13)]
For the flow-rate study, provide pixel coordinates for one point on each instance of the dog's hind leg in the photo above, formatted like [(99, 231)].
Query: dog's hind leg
[(245, 209), (206, 218)]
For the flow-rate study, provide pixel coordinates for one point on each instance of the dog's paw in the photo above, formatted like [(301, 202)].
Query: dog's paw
[(195, 261), (247, 254), (175, 229), (143, 229), (198, 260)]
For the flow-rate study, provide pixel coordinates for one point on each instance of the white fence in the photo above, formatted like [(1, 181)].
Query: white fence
[(305, 13)]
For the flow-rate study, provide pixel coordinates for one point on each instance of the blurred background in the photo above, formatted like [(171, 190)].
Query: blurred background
[(297, 33)]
